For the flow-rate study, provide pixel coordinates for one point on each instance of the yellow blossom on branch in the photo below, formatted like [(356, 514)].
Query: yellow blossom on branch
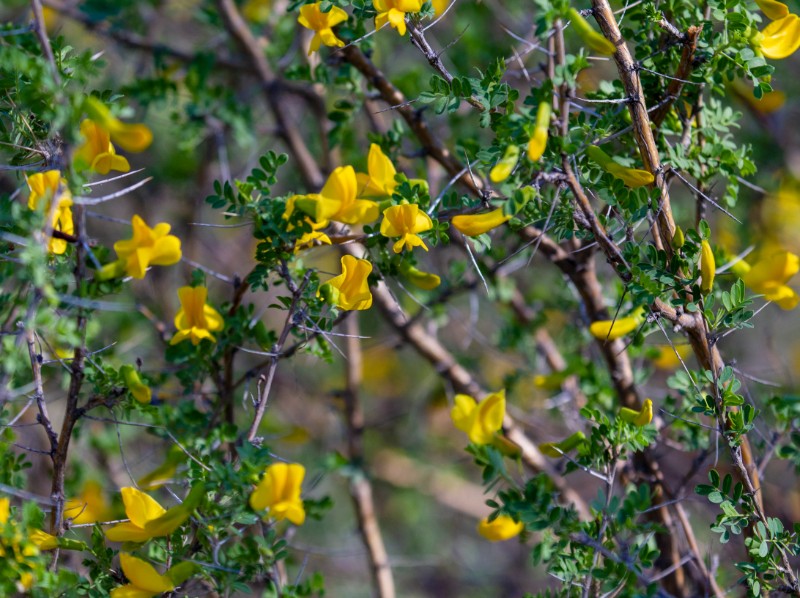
[(338, 200), (538, 141), (638, 418), (501, 528), (379, 182), (97, 152), (423, 280), (148, 519), (90, 506), (140, 391), (350, 290), (144, 580), (772, 9), (42, 540), (708, 267), (505, 166), (480, 421), (44, 186), (781, 38), (632, 177), (769, 275), (195, 320), (279, 493), (322, 23), (130, 137), (613, 329), (148, 247), (557, 449), (473, 225), (593, 40), (405, 221), (394, 12)]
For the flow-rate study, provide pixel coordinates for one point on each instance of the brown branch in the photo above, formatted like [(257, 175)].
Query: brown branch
[(395, 98), (44, 41), (36, 366), (462, 381), (683, 72), (434, 59), (297, 294), (290, 133), (629, 75), (360, 487)]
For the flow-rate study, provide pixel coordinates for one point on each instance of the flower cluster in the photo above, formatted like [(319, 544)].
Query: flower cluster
[(322, 23)]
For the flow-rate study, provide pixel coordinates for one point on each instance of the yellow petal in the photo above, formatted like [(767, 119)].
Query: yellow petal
[(143, 575), (612, 330), (505, 166), (638, 418), (127, 532), (476, 224), (538, 141), (43, 540), (781, 38), (772, 9), (593, 40), (502, 528), (708, 267), (132, 137), (139, 507)]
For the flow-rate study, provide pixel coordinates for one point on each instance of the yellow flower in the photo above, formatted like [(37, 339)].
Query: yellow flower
[(632, 177), (666, 357), (140, 391), (769, 276), (279, 492), (557, 449), (5, 510), (97, 153), (593, 40), (405, 221), (480, 421), (90, 506), (439, 6), (502, 528), (780, 38), (309, 239), (145, 581), (423, 280), (505, 166), (350, 290), (638, 418), (538, 141), (130, 137), (772, 9), (44, 186), (337, 200), (475, 224), (148, 247), (708, 267), (43, 540), (394, 12), (611, 330), (379, 183), (322, 23), (148, 519), (257, 11), (768, 103), (195, 320), (164, 472)]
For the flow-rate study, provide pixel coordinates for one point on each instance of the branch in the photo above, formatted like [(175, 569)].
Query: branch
[(360, 487), (239, 29), (629, 75), (684, 71), (395, 98)]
